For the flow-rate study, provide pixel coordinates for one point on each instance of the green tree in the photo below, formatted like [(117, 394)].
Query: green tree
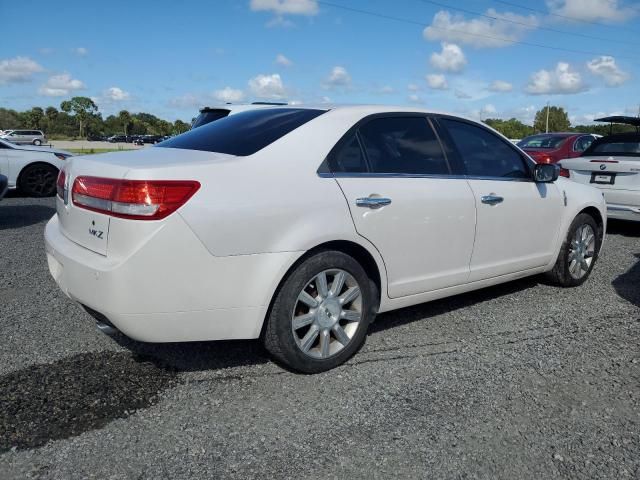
[(82, 108), (180, 127), (512, 128), (9, 119), (51, 115), (558, 120), (34, 118), (124, 118)]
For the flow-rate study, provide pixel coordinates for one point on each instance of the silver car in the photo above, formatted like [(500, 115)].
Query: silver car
[(24, 137)]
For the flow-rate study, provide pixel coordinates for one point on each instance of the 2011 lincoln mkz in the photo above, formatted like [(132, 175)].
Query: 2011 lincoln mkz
[(298, 225)]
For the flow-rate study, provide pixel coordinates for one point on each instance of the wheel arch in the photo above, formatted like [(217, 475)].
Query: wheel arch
[(30, 164), (597, 216), (360, 253)]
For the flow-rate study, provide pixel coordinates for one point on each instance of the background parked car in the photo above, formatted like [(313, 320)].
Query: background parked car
[(4, 185), (33, 170), (552, 147), (120, 139), (24, 137), (211, 114), (612, 164)]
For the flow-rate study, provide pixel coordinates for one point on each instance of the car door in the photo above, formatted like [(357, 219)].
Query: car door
[(405, 201), (4, 160), (518, 220)]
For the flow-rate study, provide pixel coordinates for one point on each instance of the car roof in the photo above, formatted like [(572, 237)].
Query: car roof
[(623, 119)]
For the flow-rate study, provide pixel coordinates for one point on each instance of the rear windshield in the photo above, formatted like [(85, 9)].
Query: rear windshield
[(542, 141), (615, 147), (208, 116), (244, 133)]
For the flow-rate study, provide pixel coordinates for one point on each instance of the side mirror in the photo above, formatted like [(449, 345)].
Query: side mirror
[(546, 172)]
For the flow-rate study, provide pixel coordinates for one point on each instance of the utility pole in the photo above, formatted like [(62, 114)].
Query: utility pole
[(547, 127)]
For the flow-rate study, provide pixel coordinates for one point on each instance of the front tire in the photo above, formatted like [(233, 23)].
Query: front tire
[(578, 253), (321, 313), (38, 180), (37, 142)]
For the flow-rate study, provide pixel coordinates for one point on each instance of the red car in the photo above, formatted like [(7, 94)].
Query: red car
[(553, 147)]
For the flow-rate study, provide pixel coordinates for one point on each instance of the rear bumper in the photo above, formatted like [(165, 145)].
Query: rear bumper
[(623, 212), (172, 289)]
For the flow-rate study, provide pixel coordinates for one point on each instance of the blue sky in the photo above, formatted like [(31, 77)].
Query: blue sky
[(171, 58)]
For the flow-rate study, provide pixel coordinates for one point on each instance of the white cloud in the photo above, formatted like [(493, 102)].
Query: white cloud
[(605, 67), (18, 69), (436, 81), (488, 109), (286, 7), (186, 101), (412, 87), (116, 94), (477, 32), (228, 94), (558, 81), (462, 95), (590, 10), (339, 77), (500, 86), (283, 61), (450, 59), (61, 85), (81, 51), (267, 86), (385, 90), (414, 98), (325, 100)]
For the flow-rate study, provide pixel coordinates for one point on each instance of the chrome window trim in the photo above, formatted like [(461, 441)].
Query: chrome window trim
[(416, 175)]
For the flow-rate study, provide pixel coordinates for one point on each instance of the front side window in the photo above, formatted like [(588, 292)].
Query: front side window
[(244, 133), (405, 145), (483, 153)]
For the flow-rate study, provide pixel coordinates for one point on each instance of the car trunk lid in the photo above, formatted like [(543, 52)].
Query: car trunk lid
[(96, 230), (609, 172)]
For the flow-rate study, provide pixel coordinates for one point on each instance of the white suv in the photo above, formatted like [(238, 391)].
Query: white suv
[(24, 137)]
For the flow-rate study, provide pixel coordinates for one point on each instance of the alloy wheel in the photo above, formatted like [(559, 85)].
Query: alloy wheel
[(582, 251), (327, 313)]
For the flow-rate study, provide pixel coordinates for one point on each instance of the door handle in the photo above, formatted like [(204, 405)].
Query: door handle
[(373, 202), (491, 199)]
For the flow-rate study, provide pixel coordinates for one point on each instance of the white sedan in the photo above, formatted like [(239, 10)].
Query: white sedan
[(298, 225), (612, 164), (31, 169)]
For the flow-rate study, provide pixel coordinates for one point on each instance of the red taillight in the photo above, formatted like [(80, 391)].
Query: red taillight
[(133, 199), (60, 183), (564, 173)]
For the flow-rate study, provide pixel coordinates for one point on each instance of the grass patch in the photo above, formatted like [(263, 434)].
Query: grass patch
[(91, 151)]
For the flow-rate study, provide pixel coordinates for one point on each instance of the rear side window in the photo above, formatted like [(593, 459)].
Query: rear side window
[(244, 133), (349, 157), (483, 153), (403, 145), (208, 116)]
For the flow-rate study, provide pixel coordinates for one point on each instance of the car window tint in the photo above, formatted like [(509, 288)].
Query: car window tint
[(348, 157), (583, 143), (403, 145), (483, 153), (243, 133)]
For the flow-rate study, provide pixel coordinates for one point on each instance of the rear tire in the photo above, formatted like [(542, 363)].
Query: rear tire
[(37, 142), (320, 315), (578, 253), (38, 180)]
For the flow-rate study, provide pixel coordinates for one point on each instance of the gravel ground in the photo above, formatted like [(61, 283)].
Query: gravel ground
[(517, 381)]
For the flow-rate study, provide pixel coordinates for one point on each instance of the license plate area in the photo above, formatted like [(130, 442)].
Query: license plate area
[(603, 178)]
